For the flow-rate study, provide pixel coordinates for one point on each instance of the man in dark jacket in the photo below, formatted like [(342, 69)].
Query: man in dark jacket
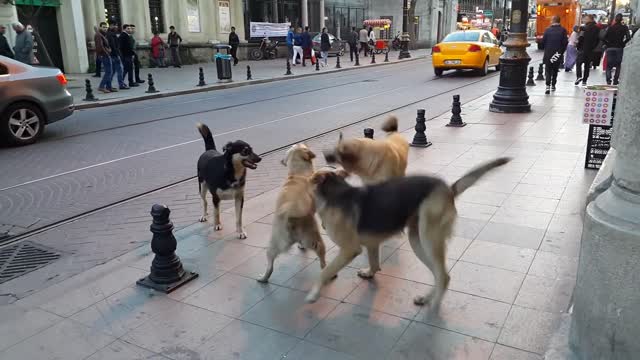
[(115, 56), (103, 52), (615, 39), (555, 43), (126, 49), (136, 60), (306, 45), (234, 41), (587, 43), (174, 40), (353, 42), (5, 49)]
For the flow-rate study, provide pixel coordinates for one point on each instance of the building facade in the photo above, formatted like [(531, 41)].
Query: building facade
[(64, 29)]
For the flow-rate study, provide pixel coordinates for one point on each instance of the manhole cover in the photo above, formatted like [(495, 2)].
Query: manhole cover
[(20, 259)]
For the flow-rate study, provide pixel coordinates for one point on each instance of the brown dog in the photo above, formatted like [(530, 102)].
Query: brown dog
[(367, 216), (295, 210), (373, 160)]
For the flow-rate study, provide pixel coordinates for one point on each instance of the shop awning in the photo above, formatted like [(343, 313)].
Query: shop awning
[(52, 3), (377, 22)]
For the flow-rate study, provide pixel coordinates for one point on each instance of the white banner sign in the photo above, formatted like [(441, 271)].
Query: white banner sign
[(224, 15), (262, 29)]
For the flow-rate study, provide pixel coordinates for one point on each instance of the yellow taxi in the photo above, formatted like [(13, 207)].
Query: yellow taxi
[(468, 49)]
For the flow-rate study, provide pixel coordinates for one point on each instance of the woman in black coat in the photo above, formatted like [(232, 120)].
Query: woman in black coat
[(325, 45)]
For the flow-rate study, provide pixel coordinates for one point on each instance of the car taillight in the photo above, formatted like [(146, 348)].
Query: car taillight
[(475, 48), (62, 79), (435, 49)]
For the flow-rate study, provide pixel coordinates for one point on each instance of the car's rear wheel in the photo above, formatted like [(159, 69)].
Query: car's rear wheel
[(438, 72), (22, 124), (485, 68)]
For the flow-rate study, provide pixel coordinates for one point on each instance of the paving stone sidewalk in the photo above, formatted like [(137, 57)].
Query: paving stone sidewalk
[(179, 81), (512, 264)]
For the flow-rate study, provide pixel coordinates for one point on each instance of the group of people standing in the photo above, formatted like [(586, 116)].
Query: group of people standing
[(23, 49), (299, 44), (584, 49), (365, 38), (116, 54)]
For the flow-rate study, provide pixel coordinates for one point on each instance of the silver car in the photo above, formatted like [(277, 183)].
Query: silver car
[(30, 98)]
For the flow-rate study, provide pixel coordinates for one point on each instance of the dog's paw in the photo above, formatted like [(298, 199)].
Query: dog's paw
[(217, 227), (313, 295), (421, 300), (242, 235), (263, 279), (203, 219), (366, 273)]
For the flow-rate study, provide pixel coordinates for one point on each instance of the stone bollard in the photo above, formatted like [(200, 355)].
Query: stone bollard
[(167, 273), (152, 88), (456, 119), (540, 72), (201, 78), (89, 96), (373, 57), (338, 62), (420, 138), (317, 64), (288, 68), (530, 81), (357, 59), (368, 133), (386, 56), (249, 73)]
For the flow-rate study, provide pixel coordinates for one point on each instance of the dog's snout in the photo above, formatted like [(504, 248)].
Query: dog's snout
[(255, 158), (329, 156)]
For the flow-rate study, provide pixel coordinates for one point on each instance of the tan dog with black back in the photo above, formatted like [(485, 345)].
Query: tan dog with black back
[(367, 216), (294, 219)]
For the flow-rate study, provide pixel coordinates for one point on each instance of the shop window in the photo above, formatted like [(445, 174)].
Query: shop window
[(112, 11), (157, 16)]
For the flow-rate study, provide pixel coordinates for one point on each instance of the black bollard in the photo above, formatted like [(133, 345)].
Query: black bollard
[(530, 81), (420, 138), (201, 78), (317, 64), (167, 273), (386, 56), (152, 88), (249, 73), (89, 96), (357, 59), (368, 133), (288, 68), (540, 72), (373, 57), (338, 62), (456, 119)]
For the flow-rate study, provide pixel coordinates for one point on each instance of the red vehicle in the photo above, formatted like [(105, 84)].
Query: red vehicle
[(568, 10)]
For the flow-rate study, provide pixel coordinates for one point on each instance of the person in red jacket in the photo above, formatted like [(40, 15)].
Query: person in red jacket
[(157, 50)]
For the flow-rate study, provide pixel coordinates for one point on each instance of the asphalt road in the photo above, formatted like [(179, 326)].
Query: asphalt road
[(105, 155)]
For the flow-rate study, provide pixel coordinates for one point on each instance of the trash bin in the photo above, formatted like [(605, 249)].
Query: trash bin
[(223, 63)]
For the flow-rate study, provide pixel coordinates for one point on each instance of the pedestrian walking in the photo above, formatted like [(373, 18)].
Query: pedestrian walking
[(297, 46), (353, 42), (306, 46), (5, 49), (572, 51), (158, 47), (174, 40), (116, 58), (598, 52), (126, 52), (587, 42), (371, 40), (290, 35), (615, 39), (103, 52), (136, 60), (23, 48), (325, 45), (555, 43), (364, 40), (234, 41)]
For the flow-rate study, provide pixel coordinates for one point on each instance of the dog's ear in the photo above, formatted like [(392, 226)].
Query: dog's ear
[(227, 147), (309, 155), (318, 177)]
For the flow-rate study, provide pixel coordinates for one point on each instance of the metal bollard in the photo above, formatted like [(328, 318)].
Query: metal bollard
[(368, 133), (288, 68), (530, 81), (456, 119), (420, 138), (338, 62), (386, 56), (317, 64), (167, 273), (540, 72), (373, 57), (89, 90), (201, 78), (249, 73), (357, 59), (152, 88)]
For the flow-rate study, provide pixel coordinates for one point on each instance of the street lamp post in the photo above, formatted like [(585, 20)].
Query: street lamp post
[(511, 96), (404, 42)]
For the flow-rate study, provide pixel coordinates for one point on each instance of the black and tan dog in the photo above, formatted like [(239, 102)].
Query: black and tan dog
[(367, 216), (224, 176)]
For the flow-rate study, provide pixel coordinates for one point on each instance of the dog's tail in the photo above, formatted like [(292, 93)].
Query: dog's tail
[(390, 125), (209, 144), (470, 178)]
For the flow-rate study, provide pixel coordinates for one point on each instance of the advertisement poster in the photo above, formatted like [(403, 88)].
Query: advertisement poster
[(193, 16), (597, 107), (262, 29), (224, 14)]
